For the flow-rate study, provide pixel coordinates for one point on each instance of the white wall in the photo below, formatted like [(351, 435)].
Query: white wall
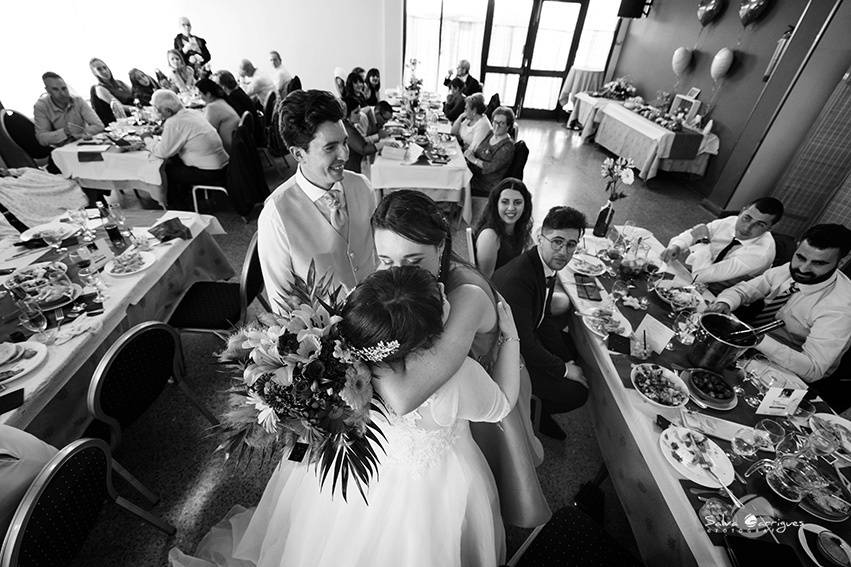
[(313, 37)]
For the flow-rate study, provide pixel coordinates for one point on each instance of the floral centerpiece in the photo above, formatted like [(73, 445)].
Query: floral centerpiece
[(614, 172), (299, 386), (619, 89), (414, 83)]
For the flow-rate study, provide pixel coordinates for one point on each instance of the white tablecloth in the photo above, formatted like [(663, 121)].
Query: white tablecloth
[(627, 134), (586, 112), (118, 170), (450, 182), (577, 81)]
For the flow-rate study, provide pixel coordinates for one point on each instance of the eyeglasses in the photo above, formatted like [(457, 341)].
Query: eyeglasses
[(558, 244), (499, 123)]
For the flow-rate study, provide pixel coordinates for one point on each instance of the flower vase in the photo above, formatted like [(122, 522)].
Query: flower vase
[(604, 220)]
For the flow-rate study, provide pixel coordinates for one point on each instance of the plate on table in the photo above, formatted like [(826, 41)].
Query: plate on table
[(838, 427), (130, 264), (587, 265), (825, 505), (66, 229), (60, 296), (28, 356), (710, 388), (685, 449), (677, 295), (821, 548), (602, 321), (659, 386)]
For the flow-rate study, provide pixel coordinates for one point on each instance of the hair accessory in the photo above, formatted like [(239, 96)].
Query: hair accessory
[(378, 352)]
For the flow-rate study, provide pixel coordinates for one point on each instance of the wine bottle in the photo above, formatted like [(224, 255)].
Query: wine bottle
[(604, 220), (111, 228)]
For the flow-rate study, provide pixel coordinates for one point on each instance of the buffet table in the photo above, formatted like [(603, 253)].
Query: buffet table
[(586, 113), (651, 146)]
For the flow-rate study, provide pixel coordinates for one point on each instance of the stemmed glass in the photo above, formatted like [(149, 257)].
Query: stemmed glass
[(120, 219), (34, 320), (53, 238), (771, 430), (81, 218), (619, 290), (745, 443), (92, 279)]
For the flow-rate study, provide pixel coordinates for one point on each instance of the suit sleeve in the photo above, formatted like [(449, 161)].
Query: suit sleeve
[(273, 247)]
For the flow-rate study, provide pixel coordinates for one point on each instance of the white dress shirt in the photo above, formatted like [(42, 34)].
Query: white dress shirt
[(282, 77), (22, 457), (188, 134), (319, 195), (817, 317), (749, 259)]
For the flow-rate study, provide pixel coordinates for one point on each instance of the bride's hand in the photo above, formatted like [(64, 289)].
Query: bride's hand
[(506, 321)]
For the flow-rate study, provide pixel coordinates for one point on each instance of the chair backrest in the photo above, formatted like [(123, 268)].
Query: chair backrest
[(60, 508), (521, 154), (269, 110), (295, 85), (784, 246), (251, 279), (22, 130), (246, 183), (130, 376), (101, 107), (12, 153), (493, 104)]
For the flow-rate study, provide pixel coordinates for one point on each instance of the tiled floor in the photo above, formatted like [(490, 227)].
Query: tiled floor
[(171, 450)]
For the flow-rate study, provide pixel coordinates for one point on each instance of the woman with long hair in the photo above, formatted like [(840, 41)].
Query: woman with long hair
[(409, 229), (373, 86), (433, 500), (505, 228), (217, 111), (111, 98), (142, 85), (182, 75)]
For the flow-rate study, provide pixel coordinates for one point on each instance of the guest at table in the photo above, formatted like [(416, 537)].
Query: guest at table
[(322, 213), (373, 86), (811, 296), (281, 76), (455, 100), (192, 49), (111, 98), (339, 82), (192, 147), (255, 84), (143, 86), (729, 250), (234, 95), (218, 112), (361, 149), (61, 117), (361, 72), (505, 227), (471, 127), (471, 85), (527, 283), (22, 457), (181, 76), (489, 161)]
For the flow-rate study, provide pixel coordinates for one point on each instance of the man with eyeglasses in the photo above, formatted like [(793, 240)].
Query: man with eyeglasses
[(729, 250), (527, 283)]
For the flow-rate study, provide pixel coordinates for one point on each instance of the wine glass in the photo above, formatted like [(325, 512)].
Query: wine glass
[(54, 238), (619, 290), (803, 413), (745, 443), (772, 431), (33, 319), (819, 445), (81, 218), (762, 384), (92, 279)]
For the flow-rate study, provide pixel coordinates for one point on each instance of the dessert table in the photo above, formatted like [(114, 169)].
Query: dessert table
[(651, 146), (54, 407)]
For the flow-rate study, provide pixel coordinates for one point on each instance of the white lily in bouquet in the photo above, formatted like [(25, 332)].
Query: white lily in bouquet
[(614, 172)]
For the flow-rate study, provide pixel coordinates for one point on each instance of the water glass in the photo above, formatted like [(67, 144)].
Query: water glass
[(820, 445), (746, 442), (91, 278), (80, 217), (619, 290), (53, 238), (773, 431), (34, 320)]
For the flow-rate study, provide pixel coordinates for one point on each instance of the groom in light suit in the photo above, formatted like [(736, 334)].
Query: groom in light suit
[(321, 213)]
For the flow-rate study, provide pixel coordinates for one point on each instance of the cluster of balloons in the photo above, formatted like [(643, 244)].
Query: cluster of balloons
[(749, 10), (721, 63)]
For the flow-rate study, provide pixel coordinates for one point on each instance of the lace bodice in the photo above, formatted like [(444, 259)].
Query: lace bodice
[(415, 440)]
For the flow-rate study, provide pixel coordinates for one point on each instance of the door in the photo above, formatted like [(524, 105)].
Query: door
[(528, 47)]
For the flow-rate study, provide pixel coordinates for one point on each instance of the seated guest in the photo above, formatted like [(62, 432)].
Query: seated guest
[(36, 197), (143, 86), (339, 82), (383, 113), (360, 149), (356, 89), (729, 250), (490, 160), (811, 296), (191, 145), (181, 77), (376, 118), (60, 116), (505, 227), (22, 457), (234, 95), (527, 283), (193, 49), (454, 105), (361, 72), (111, 98), (282, 77), (218, 112), (373, 86), (256, 85), (471, 85), (471, 127)]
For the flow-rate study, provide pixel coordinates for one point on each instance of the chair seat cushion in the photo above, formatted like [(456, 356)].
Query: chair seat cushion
[(208, 305)]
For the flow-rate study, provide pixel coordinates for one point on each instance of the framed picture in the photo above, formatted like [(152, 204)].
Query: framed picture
[(686, 105), (693, 92)]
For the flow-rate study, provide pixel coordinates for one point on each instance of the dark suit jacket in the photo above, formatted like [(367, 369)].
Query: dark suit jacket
[(521, 282), (180, 40), (471, 85), (240, 101)]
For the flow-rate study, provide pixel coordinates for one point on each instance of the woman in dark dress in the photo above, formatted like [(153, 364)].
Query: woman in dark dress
[(110, 97), (143, 86), (373, 86), (505, 227)]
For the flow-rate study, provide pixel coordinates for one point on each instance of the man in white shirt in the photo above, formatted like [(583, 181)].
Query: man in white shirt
[(255, 84), (61, 117), (191, 145), (811, 296), (22, 457), (729, 250), (322, 213), (281, 76)]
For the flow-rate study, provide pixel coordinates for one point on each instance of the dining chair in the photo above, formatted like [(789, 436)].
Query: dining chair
[(493, 104), (63, 504), (22, 130), (101, 107), (294, 85), (518, 164), (12, 153), (217, 307)]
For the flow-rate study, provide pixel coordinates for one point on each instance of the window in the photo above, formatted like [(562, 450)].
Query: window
[(597, 35)]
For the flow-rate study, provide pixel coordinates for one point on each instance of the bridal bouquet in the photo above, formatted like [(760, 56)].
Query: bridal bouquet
[(299, 386)]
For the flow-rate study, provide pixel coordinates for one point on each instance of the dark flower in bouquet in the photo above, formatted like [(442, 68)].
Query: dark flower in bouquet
[(298, 382), (619, 89)]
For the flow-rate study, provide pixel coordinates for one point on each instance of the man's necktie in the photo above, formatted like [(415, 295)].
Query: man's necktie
[(337, 210), (772, 306), (551, 284), (726, 250)]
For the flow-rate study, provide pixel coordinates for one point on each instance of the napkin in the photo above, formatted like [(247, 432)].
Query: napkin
[(396, 154), (658, 334), (82, 324), (170, 229), (586, 287)]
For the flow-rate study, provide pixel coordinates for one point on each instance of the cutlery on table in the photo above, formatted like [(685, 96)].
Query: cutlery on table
[(706, 463), (59, 315)]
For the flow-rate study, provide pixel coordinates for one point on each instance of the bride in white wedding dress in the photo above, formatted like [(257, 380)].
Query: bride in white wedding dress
[(434, 501)]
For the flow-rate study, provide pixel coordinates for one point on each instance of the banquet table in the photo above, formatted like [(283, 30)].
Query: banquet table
[(448, 182), (112, 169), (651, 146), (586, 112), (577, 81), (662, 514), (54, 406)]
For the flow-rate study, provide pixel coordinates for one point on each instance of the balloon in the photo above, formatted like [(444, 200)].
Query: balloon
[(721, 63), (681, 60), (752, 10), (709, 10)]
